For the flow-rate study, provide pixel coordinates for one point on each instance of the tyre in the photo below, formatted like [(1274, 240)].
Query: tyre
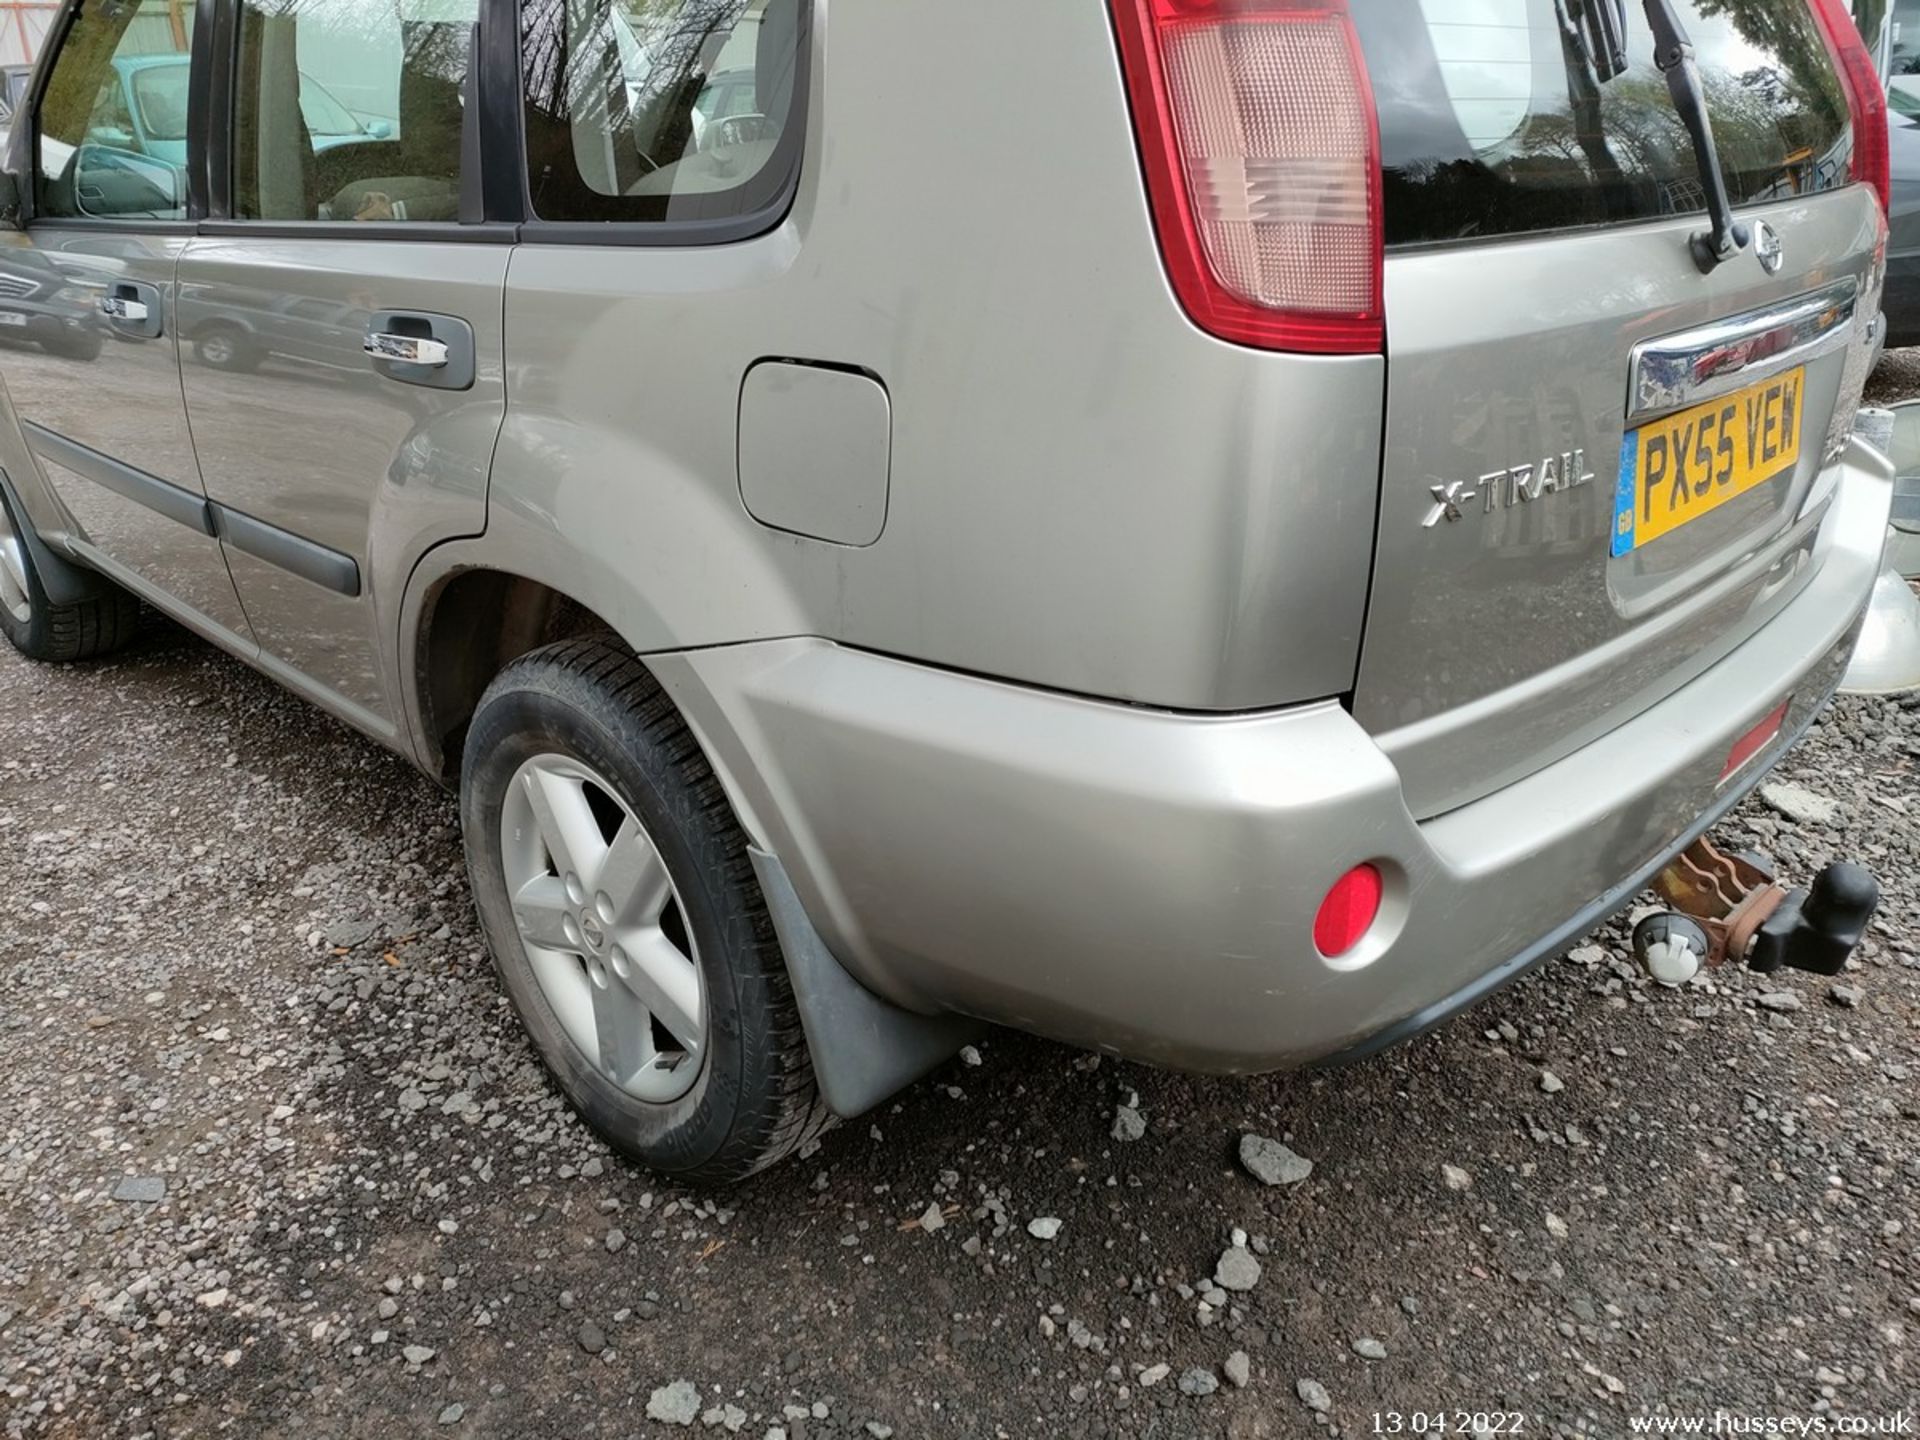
[(41, 630), (224, 348), (616, 894)]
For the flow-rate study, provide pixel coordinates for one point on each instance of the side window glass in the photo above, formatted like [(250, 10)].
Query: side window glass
[(669, 110), (113, 117), (350, 109)]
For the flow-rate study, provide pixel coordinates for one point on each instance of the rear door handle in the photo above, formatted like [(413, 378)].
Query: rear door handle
[(406, 349), (417, 348), (119, 307)]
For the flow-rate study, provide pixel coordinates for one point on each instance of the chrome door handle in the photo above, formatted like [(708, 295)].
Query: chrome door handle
[(119, 307), (405, 349)]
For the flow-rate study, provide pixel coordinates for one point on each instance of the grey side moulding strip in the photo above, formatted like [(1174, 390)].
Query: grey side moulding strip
[(156, 494), (293, 553)]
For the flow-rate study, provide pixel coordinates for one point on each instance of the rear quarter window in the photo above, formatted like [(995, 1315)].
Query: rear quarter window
[(670, 110), (1493, 123)]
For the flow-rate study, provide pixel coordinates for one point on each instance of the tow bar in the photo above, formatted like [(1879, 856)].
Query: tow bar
[(1731, 908)]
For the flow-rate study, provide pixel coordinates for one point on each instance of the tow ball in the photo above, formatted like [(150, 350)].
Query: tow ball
[(1732, 908)]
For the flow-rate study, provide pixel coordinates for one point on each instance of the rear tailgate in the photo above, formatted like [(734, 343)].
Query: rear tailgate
[(1600, 470)]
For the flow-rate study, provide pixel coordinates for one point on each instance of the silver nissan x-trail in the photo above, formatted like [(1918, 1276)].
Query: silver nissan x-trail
[(1219, 530)]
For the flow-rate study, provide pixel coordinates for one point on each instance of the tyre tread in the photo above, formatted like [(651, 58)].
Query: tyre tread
[(94, 625)]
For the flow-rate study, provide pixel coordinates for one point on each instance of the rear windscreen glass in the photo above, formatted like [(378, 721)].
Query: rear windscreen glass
[(1493, 123)]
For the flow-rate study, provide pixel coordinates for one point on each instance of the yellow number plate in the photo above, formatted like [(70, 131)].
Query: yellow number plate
[(1680, 467)]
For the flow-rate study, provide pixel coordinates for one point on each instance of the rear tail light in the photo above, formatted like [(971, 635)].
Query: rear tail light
[(1261, 147), (1348, 912), (1865, 96)]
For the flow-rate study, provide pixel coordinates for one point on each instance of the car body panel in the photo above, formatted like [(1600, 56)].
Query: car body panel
[(1079, 736), (1145, 882), (1504, 636), (310, 438), (1108, 502), (120, 397)]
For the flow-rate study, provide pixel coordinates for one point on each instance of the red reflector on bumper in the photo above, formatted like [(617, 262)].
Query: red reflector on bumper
[(1348, 912), (1756, 739)]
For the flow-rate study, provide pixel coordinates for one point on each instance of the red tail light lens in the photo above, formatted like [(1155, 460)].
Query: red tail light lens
[(1348, 912), (1757, 739), (1865, 95), (1261, 148)]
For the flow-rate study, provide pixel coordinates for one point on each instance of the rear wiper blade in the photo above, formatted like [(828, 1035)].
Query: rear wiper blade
[(1600, 29)]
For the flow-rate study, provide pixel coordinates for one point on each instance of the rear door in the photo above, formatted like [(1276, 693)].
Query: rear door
[(1600, 464), (346, 215)]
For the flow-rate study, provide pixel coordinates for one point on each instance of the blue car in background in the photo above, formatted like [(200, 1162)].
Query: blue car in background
[(134, 158), (152, 113)]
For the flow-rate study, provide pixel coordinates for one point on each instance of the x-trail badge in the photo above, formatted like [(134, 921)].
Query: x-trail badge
[(1503, 489)]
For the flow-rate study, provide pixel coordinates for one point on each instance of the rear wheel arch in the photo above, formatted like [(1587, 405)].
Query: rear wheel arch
[(472, 623)]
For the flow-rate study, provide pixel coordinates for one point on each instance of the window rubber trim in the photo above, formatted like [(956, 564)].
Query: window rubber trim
[(720, 230), (223, 62), (505, 193), (23, 141), (200, 53)]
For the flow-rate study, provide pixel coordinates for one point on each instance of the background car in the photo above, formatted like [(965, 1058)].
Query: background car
[(154, 104), (41, 304)]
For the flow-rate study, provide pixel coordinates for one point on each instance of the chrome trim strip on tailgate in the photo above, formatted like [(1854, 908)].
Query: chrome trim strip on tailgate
[(1678, 370)]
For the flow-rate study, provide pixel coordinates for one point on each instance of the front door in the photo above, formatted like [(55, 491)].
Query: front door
[(87, 308), (340, 328)]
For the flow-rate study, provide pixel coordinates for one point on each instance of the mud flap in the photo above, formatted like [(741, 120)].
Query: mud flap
[(863, 1048)]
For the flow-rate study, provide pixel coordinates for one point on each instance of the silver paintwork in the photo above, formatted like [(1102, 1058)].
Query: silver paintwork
[(313, 439), (815, 451), (590, 913), (1145, 882), (1498, 647), (123, 401), (1084, 496), (1085, 491)]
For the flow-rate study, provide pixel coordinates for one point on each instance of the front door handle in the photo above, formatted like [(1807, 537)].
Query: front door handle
[(119, 307), (133, 307), (417, 348), (406, 349)]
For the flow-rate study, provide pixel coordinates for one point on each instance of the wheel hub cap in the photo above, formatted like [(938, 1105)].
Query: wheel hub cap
[(603, 928)]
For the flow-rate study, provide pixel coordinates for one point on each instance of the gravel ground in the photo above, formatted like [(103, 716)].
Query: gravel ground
[(276, 1160)]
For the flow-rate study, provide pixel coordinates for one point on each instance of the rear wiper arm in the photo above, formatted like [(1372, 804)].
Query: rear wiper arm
[(1602, 30), (1725, 237)]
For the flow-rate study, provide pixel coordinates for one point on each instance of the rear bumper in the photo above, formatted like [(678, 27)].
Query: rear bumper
[(1145, 882)]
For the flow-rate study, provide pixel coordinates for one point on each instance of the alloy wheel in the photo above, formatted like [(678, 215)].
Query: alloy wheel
[(14, 596), (603, 927)]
